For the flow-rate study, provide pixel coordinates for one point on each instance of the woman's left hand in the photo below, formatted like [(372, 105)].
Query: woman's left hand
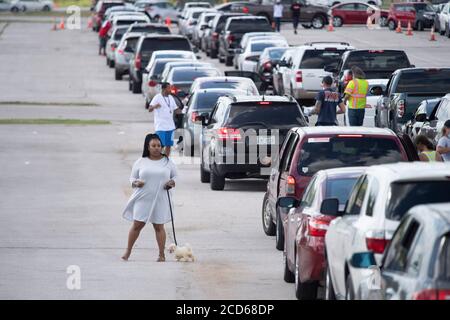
[(170, 184)]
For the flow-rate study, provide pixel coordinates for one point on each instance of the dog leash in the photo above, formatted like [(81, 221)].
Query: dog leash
[(171, 215)]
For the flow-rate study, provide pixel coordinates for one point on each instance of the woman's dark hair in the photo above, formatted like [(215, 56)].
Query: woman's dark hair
[(149, 137), (421, 139)]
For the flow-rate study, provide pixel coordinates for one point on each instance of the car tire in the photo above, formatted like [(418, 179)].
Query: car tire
[(136, 87), (279, 234), (349, 293), (117, 75), (383, 22), (304, 290), (329, 289), (337, 22), (112, 63), (288, 276), (217, 182), (46, 9), (318, 22), (213, 54), (14, 9), (221, 60), (447, 31), (228, 61), (268, 225), (306, 26), (391, 25)]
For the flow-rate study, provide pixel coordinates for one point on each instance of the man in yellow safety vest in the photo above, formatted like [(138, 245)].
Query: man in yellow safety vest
[(355, 93)]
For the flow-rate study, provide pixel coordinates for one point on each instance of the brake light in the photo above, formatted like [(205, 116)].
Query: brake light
[(230, 38), (193, 116), (350, 135), (376, 51), (290, 185), (215, 36), (376, 241), (265, 102), (432, 294), (318, 226), (400, 108), (174, 90), (228, 134), (152, 83), (113, 48), (299, 76), (137, 62)]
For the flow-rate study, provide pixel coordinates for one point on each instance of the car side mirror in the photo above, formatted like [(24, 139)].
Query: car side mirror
[(282, 63), (363, 260), (330, 207), (331, 69), (287, 202), (377, 91), (421, 117)]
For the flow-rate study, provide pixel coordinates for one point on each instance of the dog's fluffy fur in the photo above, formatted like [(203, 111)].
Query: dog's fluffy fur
[(182, 254)]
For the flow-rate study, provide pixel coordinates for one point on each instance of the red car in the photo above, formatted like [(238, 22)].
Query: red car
[(357, 13), (307, 224)]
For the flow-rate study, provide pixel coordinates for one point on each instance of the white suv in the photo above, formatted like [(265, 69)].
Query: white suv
[(302, 78), (378, 201)]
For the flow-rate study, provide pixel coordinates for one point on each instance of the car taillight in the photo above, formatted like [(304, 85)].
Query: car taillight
[(318, 226), (137, 62), (267, 66), (193, 116), (113, 48), (432, 294), (298, 76), (120, 51), (152, 83), (228, 134), (173, 90), (400, 108), (230, 38), (290, 185), (376, 241), (215, 36)]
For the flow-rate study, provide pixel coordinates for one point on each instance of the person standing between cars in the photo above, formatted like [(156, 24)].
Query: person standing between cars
[(426, 149), (355, 93), (295, 9), (277, 14), (327, 101), (151, 176), (102, 35), (164, 106), (443, 145)]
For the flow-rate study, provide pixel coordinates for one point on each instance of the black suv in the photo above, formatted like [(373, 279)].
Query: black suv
[(242, 135), (148, 43), (234, 29), (218, 23)]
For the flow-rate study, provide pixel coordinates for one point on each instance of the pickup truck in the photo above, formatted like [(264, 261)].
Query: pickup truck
[(376, 64), (406, 89)]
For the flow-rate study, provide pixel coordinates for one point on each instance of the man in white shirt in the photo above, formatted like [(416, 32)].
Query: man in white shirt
[(164, 106), (277, 14)]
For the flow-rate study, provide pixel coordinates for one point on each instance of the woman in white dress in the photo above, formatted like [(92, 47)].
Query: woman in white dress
[(151, 176)]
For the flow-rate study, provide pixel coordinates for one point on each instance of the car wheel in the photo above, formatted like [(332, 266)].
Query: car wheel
[(117, 75), (217, 182), (383, 22), (268, 225), (447, 31), (204, 175), (391, 25), (279, 234), (213, 54), (228, 61), (329, 289), (337, 22), (130, 85), (111, 63), (304, 290), (349, 293), (289, 276), (136, 87), (46, 8), (14, 9), (221, 60), (306, 26), (318, 22)]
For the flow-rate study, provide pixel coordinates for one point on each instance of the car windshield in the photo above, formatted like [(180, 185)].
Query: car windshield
[(276, 54), (206, 101), (318, 59), (336, 152), (249, 25), (174, 55), (259, 47), (119, 33), (148, 29), (268, 114), (339, 188), (377, 60), (423, 7), (407, 194), (191, 75), (427, 81)]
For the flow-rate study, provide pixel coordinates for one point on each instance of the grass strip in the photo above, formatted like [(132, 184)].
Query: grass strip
[(54, 121)]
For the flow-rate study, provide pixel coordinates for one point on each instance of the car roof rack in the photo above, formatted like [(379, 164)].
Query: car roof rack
[(230, 96), (326, 42)]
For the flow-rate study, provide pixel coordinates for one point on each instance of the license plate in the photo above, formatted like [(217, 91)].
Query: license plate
[(266, 140)]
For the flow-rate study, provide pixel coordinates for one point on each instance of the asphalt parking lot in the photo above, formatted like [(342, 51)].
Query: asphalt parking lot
[(63, 187)]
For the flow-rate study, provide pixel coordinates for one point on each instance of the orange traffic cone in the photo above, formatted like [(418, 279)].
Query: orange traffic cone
[(432, 35), (330, 24), (409, 30), (90, 23), (399, 27), (61, 24), (168, 22)]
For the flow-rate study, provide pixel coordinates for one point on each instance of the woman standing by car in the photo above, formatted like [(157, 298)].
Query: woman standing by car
[(426, 149), (151, 176)]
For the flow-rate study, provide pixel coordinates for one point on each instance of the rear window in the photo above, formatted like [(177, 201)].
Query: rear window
[(405, 195), (206, 101), (428, 81), (249, 25), (197, 14), (259, 47), (339, 188), (119, 33), (150, 45), (423, 7), (174, 55), (191, 75), (318, 59), (158, 68), (377, 60), (337, 152), (217, 84), (148, 29), (271, 115)]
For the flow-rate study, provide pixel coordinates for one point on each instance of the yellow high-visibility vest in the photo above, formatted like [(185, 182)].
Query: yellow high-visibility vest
[(357, 89)]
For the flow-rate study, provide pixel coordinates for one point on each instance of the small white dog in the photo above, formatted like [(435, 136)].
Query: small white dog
[(182, 254)]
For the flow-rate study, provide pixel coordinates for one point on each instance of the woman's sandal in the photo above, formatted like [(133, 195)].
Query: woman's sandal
[(161, 259)]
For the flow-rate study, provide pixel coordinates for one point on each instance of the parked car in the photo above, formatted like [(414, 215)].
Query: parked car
[(252, 36), (306, 226), (159, 10), (13, 6), (225, 148), (279, 69), (308, 150), (332, 3), (234, 29), (356, 13), (202, 25), (113, 43), (405, 90), (415, 265), (268, 59), (149, 28), (444, 20), (248, 58), (189, 22), (305, 70), (419, 14), (201, 102), (181, 78), (32, 5), (127, 20), (181, 63), (123, 54), (100, 9), (144, 50), (423, 113), (379, 200), (196, 4), (432, 128), (123, 8)]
